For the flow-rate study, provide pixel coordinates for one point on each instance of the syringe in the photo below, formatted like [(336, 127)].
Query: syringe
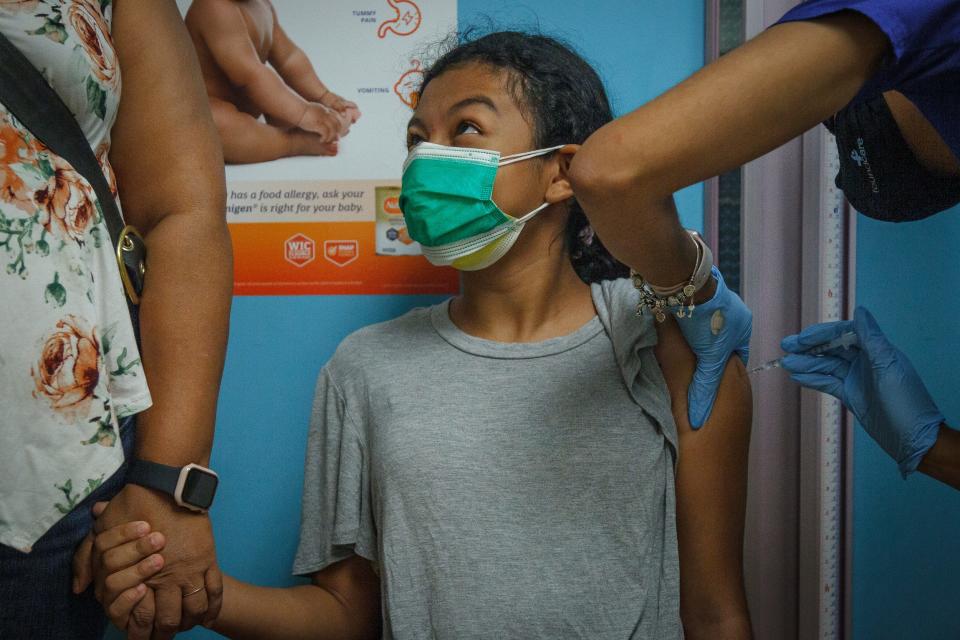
[(845, 341)]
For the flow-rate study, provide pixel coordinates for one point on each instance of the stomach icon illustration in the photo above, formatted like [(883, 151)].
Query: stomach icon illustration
[(406, 21)]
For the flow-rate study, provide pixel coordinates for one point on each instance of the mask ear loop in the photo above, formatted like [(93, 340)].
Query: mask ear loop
[(523, 219), (520, 157)]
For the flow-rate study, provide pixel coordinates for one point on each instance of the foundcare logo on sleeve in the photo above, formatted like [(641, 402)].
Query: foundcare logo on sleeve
[(299, 250), (341, 252)]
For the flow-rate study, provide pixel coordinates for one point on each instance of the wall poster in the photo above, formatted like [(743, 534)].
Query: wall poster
[(311, 100)]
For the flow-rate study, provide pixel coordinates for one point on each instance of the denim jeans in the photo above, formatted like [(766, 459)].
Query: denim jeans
[(36, 597)]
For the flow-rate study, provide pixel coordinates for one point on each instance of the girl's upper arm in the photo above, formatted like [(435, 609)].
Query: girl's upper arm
[(711, 494)]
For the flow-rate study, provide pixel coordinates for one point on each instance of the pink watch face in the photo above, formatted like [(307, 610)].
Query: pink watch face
[(199, 488)]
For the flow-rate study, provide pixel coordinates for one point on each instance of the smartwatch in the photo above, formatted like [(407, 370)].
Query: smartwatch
[(192, 487)]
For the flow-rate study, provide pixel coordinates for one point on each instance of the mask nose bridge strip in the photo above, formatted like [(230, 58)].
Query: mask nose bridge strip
[(464, 154)]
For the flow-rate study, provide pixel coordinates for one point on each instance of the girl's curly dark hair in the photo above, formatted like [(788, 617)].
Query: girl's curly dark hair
[(564, 98)]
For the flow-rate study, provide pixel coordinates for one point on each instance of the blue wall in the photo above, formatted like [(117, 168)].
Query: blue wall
[(906, 556), (277, 345)]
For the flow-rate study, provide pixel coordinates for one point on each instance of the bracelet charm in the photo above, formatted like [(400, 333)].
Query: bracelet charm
[(659, 300)]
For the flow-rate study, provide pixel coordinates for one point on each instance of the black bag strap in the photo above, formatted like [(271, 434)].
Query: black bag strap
[(29, 97)]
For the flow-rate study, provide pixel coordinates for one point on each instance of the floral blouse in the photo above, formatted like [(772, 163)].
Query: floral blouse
[(69, 363)]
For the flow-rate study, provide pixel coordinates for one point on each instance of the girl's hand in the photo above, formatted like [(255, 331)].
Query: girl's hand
[(124, 557)]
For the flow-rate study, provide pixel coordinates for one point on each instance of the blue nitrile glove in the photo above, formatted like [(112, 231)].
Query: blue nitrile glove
[(875, 381), (713, 350)]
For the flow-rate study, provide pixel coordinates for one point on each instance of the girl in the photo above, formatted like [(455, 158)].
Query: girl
[(505, 464)]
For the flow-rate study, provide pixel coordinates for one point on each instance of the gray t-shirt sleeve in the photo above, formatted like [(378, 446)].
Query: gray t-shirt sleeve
[(634, 338), (336, 519)]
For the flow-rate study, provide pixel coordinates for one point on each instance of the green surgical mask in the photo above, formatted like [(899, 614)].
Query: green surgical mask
[(447, 203)]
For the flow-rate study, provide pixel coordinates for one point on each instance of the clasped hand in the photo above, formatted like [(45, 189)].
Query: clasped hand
[(150, 584)]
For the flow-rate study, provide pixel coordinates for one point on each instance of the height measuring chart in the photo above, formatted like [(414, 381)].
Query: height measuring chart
[(832, 305)]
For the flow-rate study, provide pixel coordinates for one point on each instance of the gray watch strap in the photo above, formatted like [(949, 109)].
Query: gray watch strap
[(154, 475)]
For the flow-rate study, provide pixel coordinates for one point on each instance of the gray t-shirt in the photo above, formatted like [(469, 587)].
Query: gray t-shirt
[(504, 490)]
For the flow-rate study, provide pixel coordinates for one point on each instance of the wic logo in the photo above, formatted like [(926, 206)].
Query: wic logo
[(299, 250)]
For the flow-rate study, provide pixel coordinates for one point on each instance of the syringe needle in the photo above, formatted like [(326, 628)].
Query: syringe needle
[(844, 341)]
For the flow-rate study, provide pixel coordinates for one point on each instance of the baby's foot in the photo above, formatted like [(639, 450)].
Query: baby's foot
[(302, 143), (325, 123), (344, 107)]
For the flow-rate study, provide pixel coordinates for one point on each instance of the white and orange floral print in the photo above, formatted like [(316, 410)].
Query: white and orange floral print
[(69, 362)]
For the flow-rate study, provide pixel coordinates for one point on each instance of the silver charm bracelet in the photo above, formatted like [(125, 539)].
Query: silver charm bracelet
[(658, 300)]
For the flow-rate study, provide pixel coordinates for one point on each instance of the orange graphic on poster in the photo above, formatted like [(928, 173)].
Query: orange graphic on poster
[(404, 237), (299, 250), (408, 86), (406, 22), (262, 269), (391, 205), (341, 252)]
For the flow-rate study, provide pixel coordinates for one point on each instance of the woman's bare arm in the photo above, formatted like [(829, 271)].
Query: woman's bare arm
[(750, 101), (711, 496), (169, 168), (943, 460), (342, 603)]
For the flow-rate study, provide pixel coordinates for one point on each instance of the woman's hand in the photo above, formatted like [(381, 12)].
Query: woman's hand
[(718, 329), (874, 380), (119, 561)]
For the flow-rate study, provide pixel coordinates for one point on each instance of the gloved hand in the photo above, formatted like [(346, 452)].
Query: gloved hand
[(713, 350), (875, 381)]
